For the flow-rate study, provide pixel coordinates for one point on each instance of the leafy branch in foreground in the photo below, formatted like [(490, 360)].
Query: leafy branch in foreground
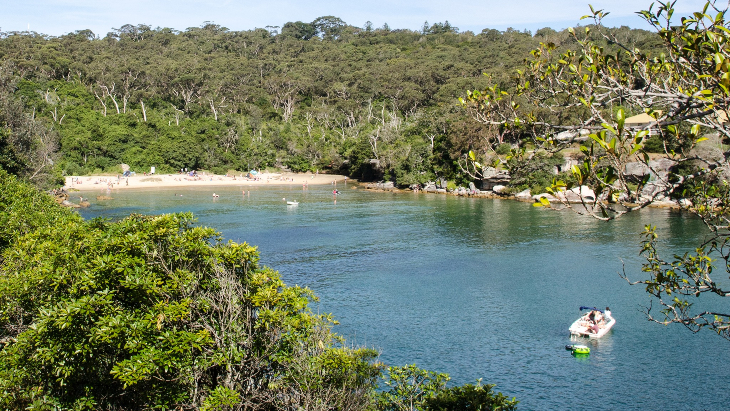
[(674, 284), (683, 93)]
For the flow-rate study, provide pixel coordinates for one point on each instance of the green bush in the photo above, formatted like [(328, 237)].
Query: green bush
[(298, 164), (154, 312), (654, 144), (535, 173), (412, 388), (70, 168), (470, 397), (24, 209), (503, 149)]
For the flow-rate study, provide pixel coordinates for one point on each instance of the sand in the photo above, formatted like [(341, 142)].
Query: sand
[(91, 183)]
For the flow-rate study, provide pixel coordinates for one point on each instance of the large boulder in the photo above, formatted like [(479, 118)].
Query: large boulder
[(709, 150), (551, 198), (579, 194), (525, 195), (709, 153), (572, 135), (685, 203), (658, 169), (574, 195), (67, 203), (567, 165), (493, 177), (652, 188), (499, 189)]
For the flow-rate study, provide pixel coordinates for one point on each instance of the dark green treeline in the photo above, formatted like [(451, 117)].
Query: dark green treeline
[(372, 103)]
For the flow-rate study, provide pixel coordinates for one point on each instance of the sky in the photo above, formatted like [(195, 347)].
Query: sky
[(58, 17)]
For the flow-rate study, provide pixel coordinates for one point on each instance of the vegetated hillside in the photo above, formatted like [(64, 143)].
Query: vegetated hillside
[(320, 95)]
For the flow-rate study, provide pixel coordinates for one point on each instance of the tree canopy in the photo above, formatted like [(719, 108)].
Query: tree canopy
[(318, 95)]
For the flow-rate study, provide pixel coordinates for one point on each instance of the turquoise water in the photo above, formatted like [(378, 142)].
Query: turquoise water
[(476, 288)]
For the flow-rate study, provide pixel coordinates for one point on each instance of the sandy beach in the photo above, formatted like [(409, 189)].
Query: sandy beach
[(99, 183)]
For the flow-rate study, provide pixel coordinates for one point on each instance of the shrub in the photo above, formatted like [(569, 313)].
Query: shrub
[(503, 149), (154, 312), (412, 388), (25, 209), (470, 397)]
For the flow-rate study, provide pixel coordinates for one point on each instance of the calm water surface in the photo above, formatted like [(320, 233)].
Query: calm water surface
[(473, 287)]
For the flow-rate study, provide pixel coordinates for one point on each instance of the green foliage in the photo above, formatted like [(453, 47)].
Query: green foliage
[(320, 95), (154, 312), (28, 148), (534, 172), (298, 30), (470, 397), (410, 386), (413, 388), (503, 149), (24, 209), (654, 144)]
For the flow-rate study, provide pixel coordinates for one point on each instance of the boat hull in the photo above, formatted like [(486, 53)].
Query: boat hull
[(584, 328)]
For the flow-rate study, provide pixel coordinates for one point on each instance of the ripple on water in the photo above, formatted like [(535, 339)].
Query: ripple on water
[(476, 288)]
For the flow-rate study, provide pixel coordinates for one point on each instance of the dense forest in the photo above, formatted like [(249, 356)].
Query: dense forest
[(373, 103)]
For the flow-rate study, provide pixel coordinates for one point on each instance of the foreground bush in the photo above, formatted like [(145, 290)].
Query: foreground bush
[(412, 388), (152, 312)]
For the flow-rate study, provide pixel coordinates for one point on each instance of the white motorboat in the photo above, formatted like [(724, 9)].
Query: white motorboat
[(292, 203), (593, 324)]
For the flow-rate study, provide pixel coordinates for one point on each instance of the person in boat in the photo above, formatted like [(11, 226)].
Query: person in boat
[(595, 319)]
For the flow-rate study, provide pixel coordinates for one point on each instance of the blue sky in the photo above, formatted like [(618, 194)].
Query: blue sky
[(57, 17)]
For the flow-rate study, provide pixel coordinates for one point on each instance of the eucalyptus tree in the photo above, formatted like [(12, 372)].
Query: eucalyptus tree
[(28, 146), (299, 30)]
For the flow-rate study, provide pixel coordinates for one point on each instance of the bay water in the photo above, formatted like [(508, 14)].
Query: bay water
[(477, 288)]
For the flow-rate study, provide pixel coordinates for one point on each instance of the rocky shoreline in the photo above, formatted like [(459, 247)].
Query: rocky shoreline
[(499, 192)]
